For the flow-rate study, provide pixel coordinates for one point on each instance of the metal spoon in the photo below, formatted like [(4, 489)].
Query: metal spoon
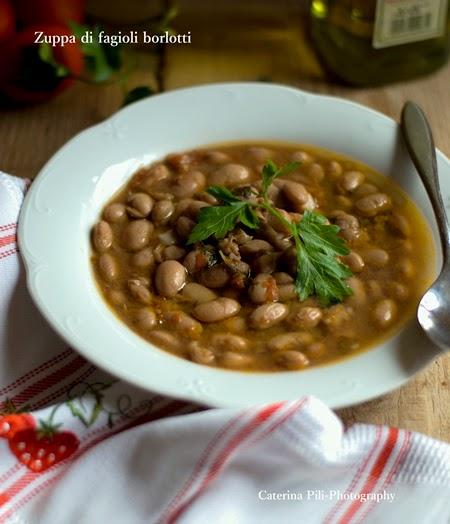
[(434, 309)]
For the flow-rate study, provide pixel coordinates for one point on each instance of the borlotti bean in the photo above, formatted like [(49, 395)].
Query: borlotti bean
[(170, 278), (233, 302), (136, 234), (102, 236)]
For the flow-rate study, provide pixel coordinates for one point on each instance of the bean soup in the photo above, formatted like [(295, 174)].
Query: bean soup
[(219, 256)]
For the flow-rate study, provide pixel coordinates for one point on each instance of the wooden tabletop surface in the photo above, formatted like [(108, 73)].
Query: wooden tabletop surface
[(30, 136)]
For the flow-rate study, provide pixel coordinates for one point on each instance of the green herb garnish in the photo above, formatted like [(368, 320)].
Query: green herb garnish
[(317, 243), (270, 172), (217, 221), (319, 272)]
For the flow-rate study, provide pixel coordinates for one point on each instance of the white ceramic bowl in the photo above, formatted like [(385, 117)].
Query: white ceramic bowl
[(65, 200)]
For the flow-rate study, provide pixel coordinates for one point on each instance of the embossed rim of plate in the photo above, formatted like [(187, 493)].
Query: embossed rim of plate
[(65, 199)]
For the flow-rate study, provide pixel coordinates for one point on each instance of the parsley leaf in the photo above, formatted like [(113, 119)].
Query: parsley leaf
[(315, 231), (271, 171), (249, 218), (223, 194), (321, 275), (319, 272), (217, 221), (317, 243)]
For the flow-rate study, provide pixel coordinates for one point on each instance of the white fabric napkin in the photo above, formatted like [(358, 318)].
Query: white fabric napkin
[(122, 455)]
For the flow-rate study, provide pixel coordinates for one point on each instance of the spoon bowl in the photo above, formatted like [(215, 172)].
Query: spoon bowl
[(433, 312)]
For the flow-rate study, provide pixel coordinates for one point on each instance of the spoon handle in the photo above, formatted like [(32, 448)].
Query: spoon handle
[(420, 144)]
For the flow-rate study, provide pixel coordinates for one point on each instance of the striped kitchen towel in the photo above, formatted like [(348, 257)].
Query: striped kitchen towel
[(78, 446)]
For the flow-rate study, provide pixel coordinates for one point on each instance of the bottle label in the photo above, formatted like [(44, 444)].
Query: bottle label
[(404, 21)]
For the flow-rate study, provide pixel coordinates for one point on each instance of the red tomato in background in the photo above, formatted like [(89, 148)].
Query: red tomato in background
[(24, 77), (7, 20), (30, 12)]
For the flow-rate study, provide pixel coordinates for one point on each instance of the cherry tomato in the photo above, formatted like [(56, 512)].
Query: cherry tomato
[(30, 12), (7, 20), (25, 77)]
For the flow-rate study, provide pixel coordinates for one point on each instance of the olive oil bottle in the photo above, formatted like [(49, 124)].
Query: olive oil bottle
[(372, 42)]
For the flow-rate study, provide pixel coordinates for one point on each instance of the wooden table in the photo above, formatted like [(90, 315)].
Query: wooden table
[(28, 137)]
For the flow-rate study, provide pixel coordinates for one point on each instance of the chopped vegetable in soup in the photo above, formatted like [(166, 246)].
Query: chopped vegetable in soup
[(262, 257)]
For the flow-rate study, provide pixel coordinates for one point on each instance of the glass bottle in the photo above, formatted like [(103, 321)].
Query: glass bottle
[(370, 42)]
